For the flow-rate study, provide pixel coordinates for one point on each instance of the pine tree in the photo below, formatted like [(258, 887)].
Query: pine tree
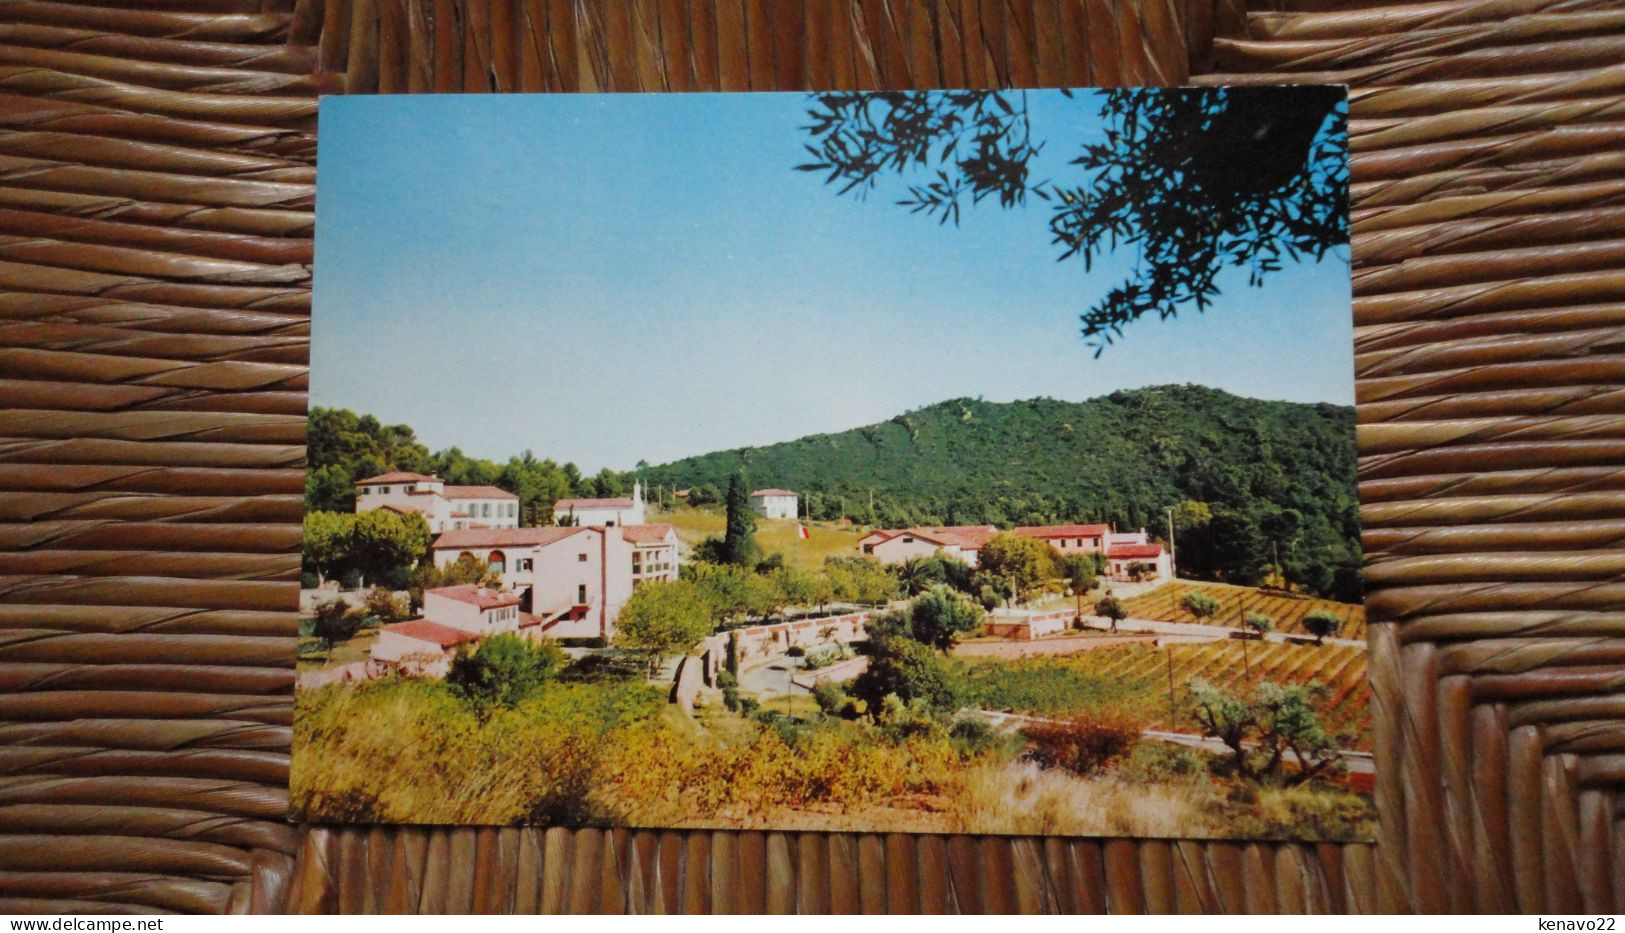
[(739, 540)]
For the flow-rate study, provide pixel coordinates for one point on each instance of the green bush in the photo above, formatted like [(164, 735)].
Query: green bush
[(832, 700), (307, 580), (350, 579), (603, 667), (386, 605), (503, 670), (729, 685), (335, 622), (902, 667), (971, 734)]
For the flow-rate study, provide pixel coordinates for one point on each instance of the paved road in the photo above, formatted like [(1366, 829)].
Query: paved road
[(1132, 624)]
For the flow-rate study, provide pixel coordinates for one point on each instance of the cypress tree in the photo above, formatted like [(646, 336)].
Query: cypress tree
[(739, 541)]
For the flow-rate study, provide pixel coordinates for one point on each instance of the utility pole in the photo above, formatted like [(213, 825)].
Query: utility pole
[(1172, 716), (1173, 568)]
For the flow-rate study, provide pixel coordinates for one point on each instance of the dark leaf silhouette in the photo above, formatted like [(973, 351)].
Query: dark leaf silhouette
[(1195, 180)]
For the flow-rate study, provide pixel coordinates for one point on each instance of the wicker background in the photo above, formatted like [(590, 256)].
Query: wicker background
[(156, 196)]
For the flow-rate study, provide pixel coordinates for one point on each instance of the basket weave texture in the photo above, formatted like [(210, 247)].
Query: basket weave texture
[(157, 171)]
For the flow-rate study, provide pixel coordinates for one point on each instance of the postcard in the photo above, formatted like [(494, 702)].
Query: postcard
[(941, 461)]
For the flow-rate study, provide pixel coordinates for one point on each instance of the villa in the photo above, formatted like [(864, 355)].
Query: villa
[(899, 545), (452, 616), (775, 503), (445, 508), (574, 579), (1122, 550), (606, 512)]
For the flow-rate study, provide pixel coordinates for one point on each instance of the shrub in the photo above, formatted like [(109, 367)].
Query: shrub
[(1321, 624), (940, 615), (335, 622), (902, 667), (729, 685), (989, 598), (603, 668), (1160, 762), (971, 734), (1200, 605), (1112, 608), (796, 651), (1259, 622), (503, 670), (387, 606), (307, 580), (350, 579), (832, 700), (1084, 746)]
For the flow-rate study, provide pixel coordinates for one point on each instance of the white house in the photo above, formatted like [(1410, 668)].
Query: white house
[(573, 579), (445, 508), (1126, 549), (1122, 549), (900, 545), (605, 512), (774, 503), (1069, 539), (452, 616)]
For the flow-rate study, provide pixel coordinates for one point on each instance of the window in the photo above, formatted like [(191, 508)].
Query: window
[(908, 539), (526, 563), (1080, 542), (384, 490), (581, 594), (582, 558), (485, 510)]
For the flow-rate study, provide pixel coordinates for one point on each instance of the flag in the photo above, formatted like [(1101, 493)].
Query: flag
[(802, 533)]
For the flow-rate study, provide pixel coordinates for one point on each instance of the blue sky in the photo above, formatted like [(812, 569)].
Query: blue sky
[(609, 278)]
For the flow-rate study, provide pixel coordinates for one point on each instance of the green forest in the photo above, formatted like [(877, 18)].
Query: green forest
[(1254, 485)]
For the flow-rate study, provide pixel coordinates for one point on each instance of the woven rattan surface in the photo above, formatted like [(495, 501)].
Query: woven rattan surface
[(156, 194)]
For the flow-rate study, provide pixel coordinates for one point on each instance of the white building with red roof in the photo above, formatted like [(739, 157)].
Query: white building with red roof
[(775, 503), (614, 512), (900, 545), (1127, 549), (452, 616), (573, 579), (1069, 539), (1121, 549), (444, 507)]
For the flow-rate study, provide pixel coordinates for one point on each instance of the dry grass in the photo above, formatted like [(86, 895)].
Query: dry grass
[(1019, 797), (1163, 604), (826, 539)]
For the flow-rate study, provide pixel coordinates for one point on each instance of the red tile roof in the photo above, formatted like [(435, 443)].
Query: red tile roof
[(1134, 551), (476, 596), (592, 504), (645, 534), (503, 537), (771, 492), (433, 632), (397, 477), (402, 509), (1063, 531), (478, 492), (970, 537)]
